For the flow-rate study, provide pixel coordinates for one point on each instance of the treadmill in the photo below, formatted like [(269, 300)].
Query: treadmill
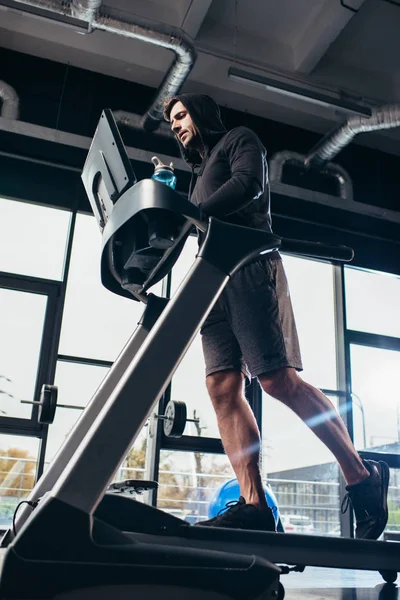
[(78, 540)]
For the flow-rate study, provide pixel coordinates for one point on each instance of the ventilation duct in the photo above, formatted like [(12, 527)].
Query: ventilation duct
[(386, 117), (281, 159), (86, 9), (176, 40), (10, 101), (136, 122), (179, 43)]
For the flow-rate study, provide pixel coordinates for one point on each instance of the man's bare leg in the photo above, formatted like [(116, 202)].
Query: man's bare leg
[(239, 433), (318, 412)]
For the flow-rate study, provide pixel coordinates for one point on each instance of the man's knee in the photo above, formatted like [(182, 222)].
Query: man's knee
[(280, 384), (224, 387)]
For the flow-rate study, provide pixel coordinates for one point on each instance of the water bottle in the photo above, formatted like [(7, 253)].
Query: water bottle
[(162, 228), (163, 173)]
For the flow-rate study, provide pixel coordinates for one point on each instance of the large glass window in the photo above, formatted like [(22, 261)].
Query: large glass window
[(33, 239), (188, 383), (22, 317), (304, 475), (372, 302), (96, 323), (189, 481), (76, 385), (376, 399), (393, 524), (18, 458), (301, 471), (135, 462), (311, 287)]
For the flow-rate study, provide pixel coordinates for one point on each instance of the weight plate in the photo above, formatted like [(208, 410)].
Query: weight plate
[(175, 422), (48, 404)]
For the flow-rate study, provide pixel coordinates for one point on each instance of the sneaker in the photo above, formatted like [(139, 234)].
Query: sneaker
[(239, 515), (369, 501)]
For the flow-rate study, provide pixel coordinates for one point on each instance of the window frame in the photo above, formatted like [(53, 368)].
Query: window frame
[(45, 371)]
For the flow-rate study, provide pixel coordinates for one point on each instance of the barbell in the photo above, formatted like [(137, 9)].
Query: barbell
[(48, 404), (175, 416)]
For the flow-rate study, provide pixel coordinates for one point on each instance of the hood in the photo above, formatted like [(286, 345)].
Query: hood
[(206, 117)]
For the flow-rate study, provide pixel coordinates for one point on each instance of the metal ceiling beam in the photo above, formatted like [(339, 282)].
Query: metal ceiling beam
[(66, 138)]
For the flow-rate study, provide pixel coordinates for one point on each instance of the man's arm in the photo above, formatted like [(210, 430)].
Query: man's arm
[(247, 160)]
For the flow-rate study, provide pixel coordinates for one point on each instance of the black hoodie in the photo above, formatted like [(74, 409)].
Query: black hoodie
[(232, 180)]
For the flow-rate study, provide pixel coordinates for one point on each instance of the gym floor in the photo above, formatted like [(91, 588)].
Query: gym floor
[(337, 584)]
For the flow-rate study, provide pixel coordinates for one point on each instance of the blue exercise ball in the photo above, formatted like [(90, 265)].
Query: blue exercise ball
[(230, 492)]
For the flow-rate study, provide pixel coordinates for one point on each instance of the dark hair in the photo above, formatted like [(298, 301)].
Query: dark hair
[(168, 106)]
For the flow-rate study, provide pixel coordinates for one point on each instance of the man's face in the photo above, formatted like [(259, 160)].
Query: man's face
[(182, 124)]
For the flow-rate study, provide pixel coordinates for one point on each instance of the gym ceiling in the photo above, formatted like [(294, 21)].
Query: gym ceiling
[(347, 50)]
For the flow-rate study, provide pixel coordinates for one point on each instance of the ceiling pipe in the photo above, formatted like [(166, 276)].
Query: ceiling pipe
[(178, 42), (319, 157), (280, 159), (136, 122), (175, 40), (10, 101), (386, 117), (86, 10)]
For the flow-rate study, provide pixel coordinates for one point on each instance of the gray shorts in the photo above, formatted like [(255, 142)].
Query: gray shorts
[(251, 328)]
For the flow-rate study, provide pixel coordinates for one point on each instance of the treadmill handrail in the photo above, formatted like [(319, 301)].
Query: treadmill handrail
[(317, 250)]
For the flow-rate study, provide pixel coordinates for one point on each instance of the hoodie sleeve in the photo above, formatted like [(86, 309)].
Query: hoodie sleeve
[(247, 161)]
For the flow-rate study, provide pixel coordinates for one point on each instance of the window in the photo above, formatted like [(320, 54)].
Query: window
[(33, 239), (311, 287), (372, 302), (188, 482), (376, 400), (21, 324), (134, 464), (301, 471), (96, 323), (188, 383), (393, 524), (76, 385), (18, 458), (304, 475)]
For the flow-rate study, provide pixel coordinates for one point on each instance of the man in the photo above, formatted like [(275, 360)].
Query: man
[(251, 331)]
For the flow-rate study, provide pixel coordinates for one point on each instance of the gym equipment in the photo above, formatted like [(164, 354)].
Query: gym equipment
[(175, 418), (88, 538), (136, 486), (72, 491), (230, 491), (48, 403)]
